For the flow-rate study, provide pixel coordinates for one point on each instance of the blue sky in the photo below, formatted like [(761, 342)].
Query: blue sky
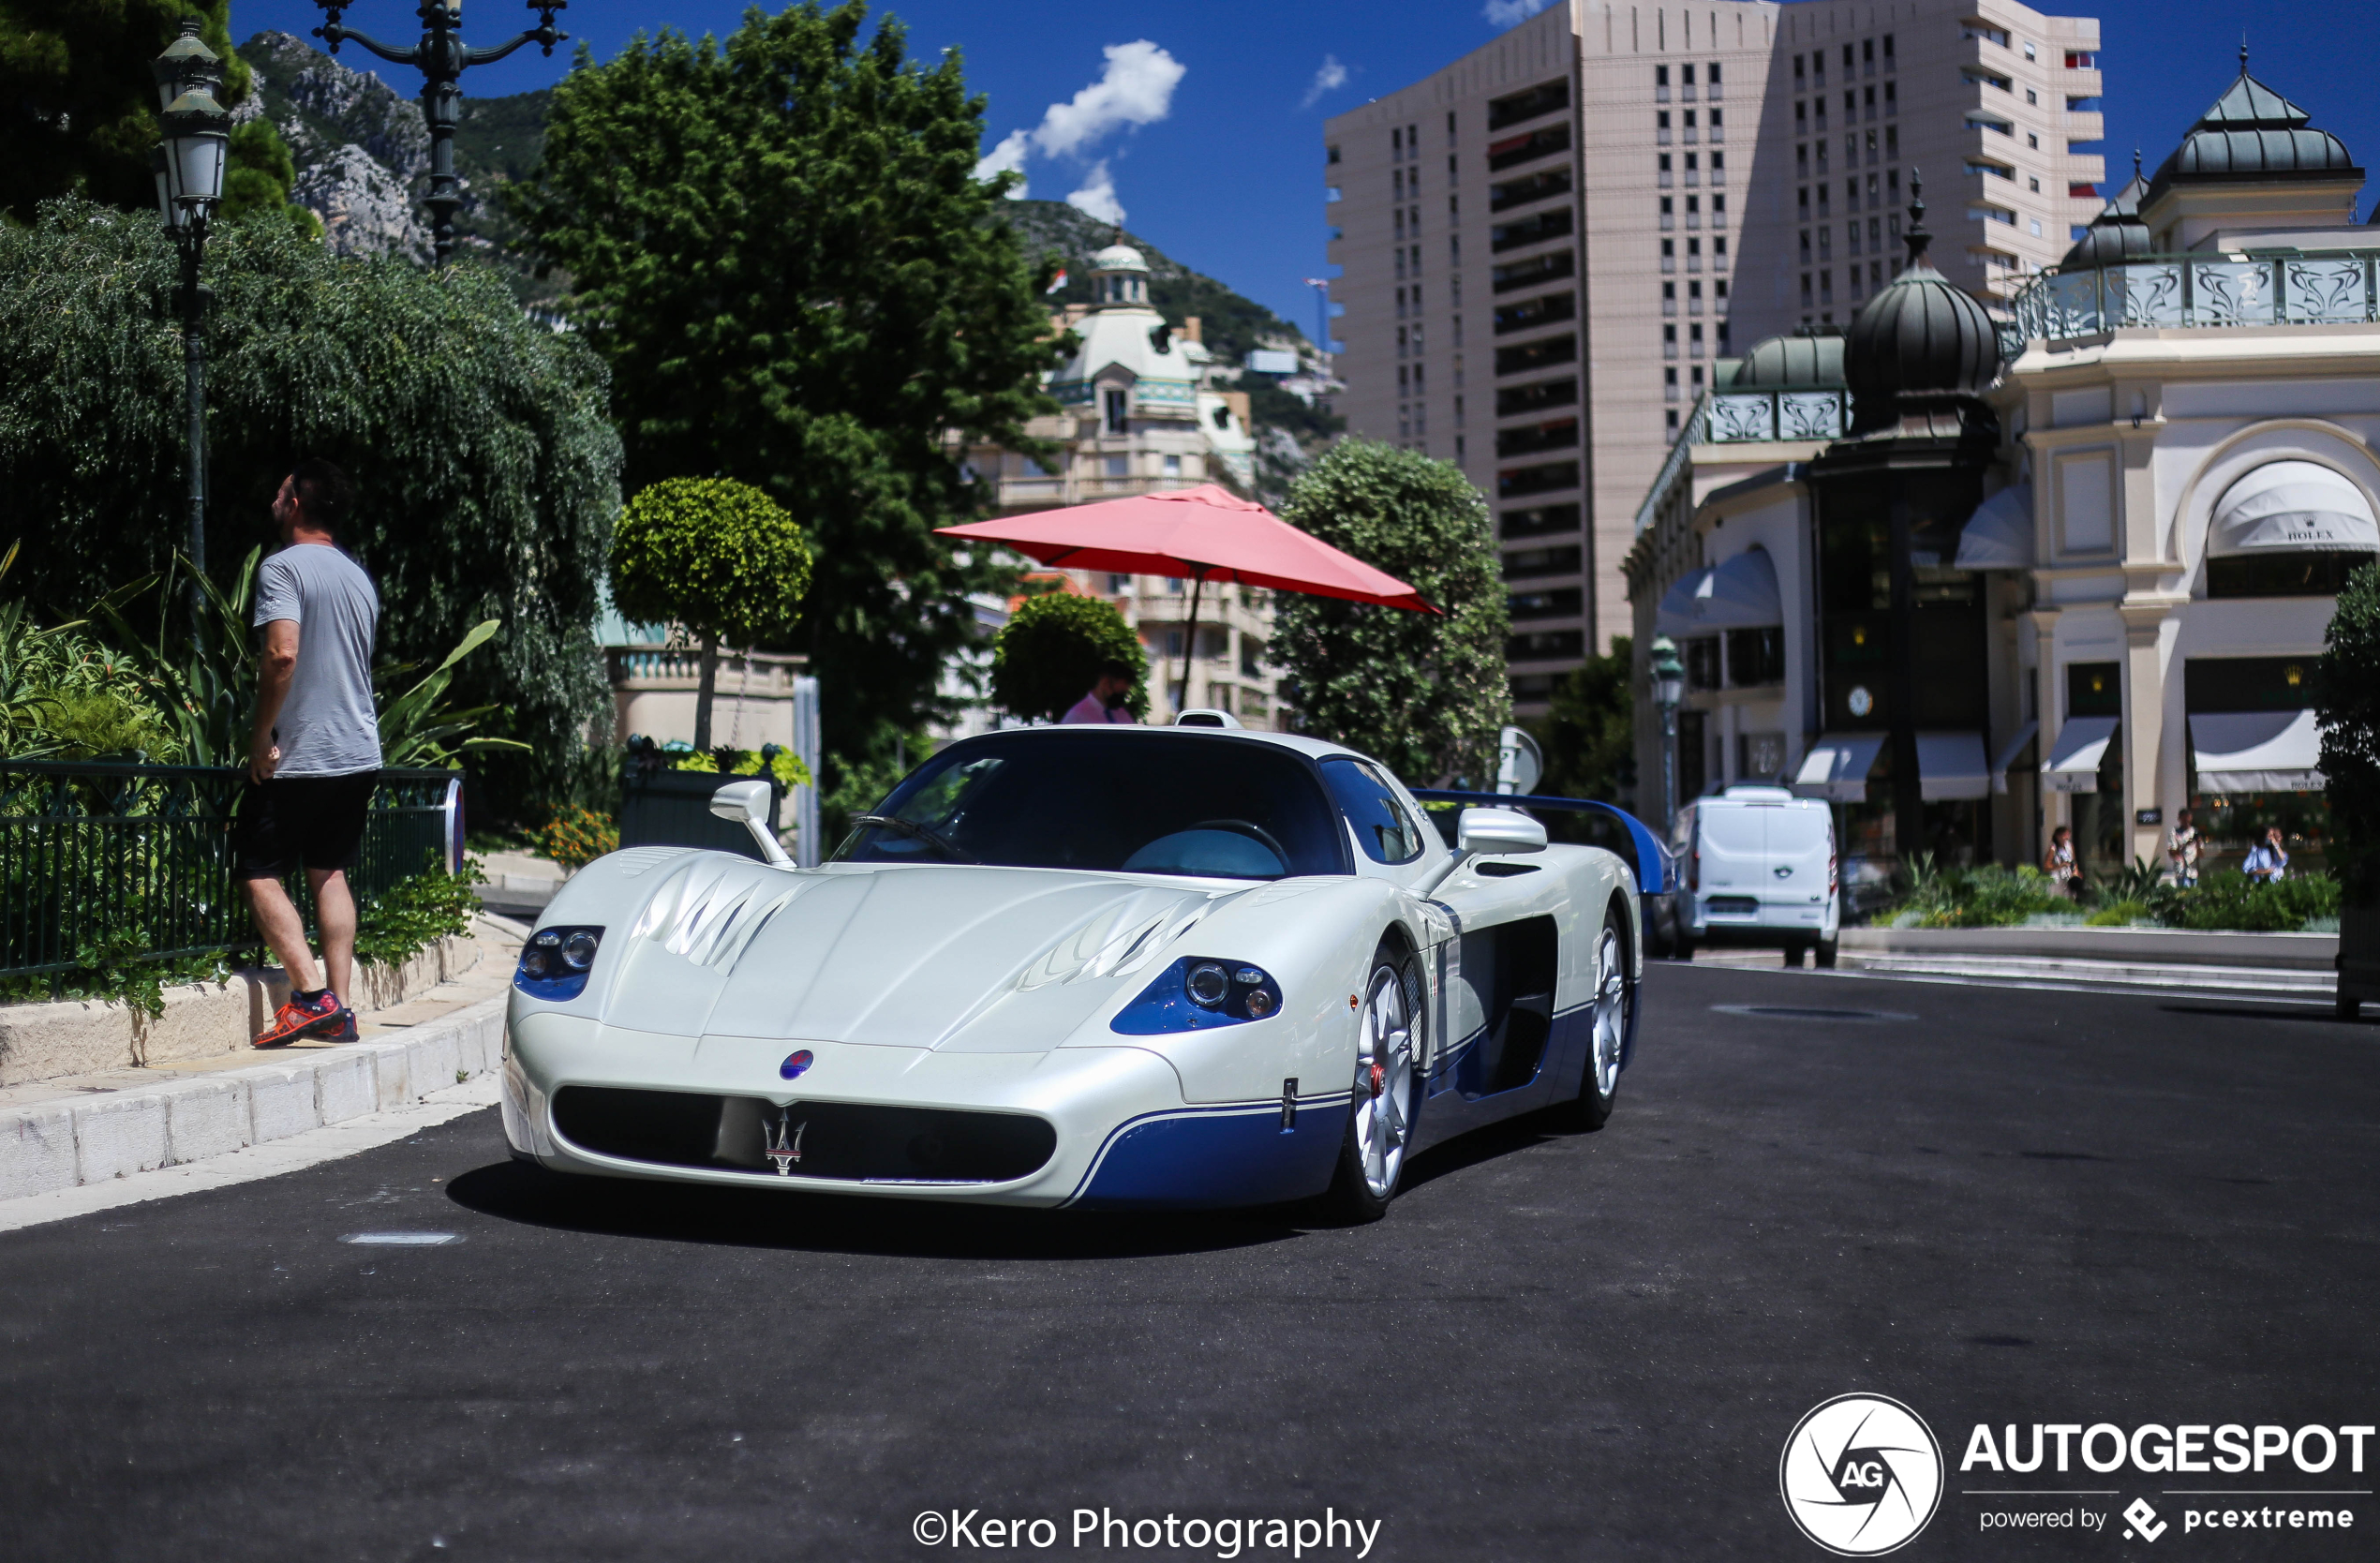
[(1204, 121)]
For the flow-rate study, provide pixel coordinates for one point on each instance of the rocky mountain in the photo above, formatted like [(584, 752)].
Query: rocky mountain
[(362, 156)]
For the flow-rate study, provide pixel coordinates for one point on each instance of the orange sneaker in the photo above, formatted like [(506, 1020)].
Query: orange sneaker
[(299, 1017)]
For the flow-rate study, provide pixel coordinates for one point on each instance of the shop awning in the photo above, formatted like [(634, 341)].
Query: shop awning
[(2256, 752), (2010, 754), (1951, 764), (1999, 535), (2072, 766), (2292, 505), (1737, 594), (1837, 766)]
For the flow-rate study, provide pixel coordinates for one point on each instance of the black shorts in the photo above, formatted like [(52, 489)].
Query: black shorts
[(316, 821)]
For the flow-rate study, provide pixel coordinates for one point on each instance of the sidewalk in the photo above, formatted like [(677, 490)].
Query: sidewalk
[(2292, 966), (95, 1128)]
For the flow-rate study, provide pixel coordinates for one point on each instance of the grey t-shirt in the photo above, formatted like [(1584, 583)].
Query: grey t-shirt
[(328, 726)]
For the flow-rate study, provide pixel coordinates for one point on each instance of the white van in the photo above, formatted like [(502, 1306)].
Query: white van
[(1756, 866)]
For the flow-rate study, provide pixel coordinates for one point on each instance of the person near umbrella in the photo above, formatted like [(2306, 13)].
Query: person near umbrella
[(1106, 701), (2268, 861)]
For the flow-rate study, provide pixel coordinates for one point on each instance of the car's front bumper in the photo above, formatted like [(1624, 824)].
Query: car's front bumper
[(1122, 1134)]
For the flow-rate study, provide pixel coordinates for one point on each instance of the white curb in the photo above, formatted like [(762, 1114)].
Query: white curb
[(113, 1135)]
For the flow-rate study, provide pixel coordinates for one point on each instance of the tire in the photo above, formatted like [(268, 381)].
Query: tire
[(1612, 1013), (1825, 955), (1380, 1116), (1683, 950), (1795, 954)]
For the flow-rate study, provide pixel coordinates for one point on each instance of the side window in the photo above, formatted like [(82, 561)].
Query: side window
[(1364, 795)]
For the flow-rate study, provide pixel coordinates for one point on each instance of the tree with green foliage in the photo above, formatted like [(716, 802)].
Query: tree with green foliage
[(1051, 650), (83, 107), (1425, 693), (1589, 733), (780, 246), (718, 557), (487, 468), (2347, 701)]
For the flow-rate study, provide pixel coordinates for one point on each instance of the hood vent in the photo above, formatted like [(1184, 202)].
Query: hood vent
[(714, 907)]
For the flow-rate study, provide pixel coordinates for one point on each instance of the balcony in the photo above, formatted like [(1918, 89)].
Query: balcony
[(1047, 492), (2194, 293)]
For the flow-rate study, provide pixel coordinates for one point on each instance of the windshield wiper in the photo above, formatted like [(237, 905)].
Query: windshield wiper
[(931, 839)]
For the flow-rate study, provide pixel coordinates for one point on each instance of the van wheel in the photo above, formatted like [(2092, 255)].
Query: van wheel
[(1795, 954), (1826, 954)]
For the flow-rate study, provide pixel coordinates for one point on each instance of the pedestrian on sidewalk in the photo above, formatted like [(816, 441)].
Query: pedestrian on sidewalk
[(314, 750), (2182, 850), (2060, 864), (2268, 861), (1106, 701)]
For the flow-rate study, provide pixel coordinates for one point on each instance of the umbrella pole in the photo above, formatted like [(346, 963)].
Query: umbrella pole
[(1190, 638)]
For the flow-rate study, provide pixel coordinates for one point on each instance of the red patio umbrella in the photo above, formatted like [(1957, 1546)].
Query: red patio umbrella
[(1205, 533)]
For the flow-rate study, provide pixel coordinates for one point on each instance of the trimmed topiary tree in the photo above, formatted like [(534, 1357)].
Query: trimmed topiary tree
[(1050, 651), (718, 557), (1425, 693)]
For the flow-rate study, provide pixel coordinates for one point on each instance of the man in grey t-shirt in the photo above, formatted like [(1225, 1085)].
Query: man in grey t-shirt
[(315, 750)]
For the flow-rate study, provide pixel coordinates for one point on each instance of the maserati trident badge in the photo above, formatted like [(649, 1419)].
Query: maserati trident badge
[(783, 1148)]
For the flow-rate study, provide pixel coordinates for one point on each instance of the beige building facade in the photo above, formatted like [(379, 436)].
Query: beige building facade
[(1546, 248)]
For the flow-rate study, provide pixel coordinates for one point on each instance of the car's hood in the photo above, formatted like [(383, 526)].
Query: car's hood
[(954, 958)]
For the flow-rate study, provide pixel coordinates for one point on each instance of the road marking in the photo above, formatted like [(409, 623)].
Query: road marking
[(402, 1239), (1792, 1012)]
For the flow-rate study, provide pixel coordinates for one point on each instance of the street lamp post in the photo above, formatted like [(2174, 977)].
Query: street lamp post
[(442, 58), (1668, 692), (188, 169)]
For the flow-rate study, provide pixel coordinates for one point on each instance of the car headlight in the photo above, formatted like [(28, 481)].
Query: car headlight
[(1195, 992), (555, 962)]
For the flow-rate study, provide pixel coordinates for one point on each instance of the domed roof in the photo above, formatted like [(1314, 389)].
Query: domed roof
[(1796, 361), (1922, 333), (1119, 258), (2116, 235), (2253, 132)]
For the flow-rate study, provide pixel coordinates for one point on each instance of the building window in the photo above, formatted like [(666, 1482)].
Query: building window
[(1693, 211), (1173, 466), (1801, 162), (1403, 379), (1719, 254), (1669, 217), (1661, 128), (1669, 384), (1117, 466), (1892, 98), (1669, 298), (1797, 72), (1661, 169), (1119, 411), (1672, 419), (1806, 292), (1693, 298), (1718, 168), (1458, 414), (1718, 210), (1668, 340), (1458, 441), (1400, 348), (1891, 140), (1694, 339), (1668, 255)]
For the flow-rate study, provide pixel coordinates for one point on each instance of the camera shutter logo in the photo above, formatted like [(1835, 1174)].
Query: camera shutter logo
[(1861, 1474)]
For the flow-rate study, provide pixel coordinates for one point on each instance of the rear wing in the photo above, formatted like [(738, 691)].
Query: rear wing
[(1651, 858)]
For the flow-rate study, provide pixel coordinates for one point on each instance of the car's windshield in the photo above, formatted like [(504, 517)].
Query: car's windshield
[(1116, 801)]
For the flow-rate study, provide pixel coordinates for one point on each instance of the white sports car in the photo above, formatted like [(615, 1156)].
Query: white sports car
[(1105, 967)]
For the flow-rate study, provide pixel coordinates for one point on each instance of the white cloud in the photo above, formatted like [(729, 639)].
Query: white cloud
[(1008, 157), (1137, 88), (1331, 78), (1097, 196), (1511, 13)]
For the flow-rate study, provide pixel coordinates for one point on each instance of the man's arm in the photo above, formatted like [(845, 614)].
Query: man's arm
[(274, 668)]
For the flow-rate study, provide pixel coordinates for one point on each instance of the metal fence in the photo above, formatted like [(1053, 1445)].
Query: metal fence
[(131, 862), (2195, 291)]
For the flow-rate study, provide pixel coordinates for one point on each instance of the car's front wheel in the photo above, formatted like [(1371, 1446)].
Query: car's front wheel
[(1614, 1009), (1380, 1120)]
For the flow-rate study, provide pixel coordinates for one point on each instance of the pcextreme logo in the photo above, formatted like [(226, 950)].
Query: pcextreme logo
[(1861, 1474)]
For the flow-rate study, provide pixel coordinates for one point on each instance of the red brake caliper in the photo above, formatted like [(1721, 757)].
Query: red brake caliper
[(1379, 1079)]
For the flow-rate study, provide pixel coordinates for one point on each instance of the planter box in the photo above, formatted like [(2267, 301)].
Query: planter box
[(672, 808)]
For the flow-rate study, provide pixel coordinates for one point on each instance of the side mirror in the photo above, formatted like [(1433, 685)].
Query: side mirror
[(747, 804), (1497, 832)]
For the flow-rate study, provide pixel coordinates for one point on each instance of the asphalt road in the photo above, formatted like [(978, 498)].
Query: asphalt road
[(1995, 1206)]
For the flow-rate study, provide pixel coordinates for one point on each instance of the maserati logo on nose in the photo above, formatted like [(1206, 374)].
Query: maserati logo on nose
[(791, 1068), (783, 1146)]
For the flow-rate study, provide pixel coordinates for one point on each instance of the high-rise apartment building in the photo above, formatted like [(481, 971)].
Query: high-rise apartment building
[(1547, 246)]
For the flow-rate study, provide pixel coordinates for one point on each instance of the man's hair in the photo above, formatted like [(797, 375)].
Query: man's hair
[(326, 493), (1112, 668)]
